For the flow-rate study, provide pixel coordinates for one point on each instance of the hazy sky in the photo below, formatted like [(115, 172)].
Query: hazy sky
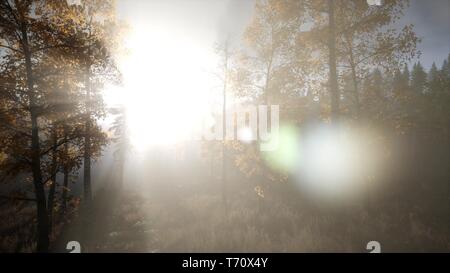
[(431, 19), (208, 20)]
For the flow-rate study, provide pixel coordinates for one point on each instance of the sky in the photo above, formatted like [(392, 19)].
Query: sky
[(209, 21), (431, 19), (206, 21)]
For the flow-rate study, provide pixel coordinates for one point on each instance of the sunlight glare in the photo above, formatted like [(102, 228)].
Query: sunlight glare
[(166, 85)]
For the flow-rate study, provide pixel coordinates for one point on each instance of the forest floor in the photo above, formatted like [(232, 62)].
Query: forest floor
[(135, 221), (114, 223)]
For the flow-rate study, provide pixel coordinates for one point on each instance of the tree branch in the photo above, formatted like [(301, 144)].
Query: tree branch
[(17, 198), (10, 48), (59, 144), (54, 46)]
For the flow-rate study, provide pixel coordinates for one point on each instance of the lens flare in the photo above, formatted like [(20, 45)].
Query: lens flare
[(286, 157), (325, 161)]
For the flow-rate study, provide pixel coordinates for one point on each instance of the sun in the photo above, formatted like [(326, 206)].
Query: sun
[(166, 85)]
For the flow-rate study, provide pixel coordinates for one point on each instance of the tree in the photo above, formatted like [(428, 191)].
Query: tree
[(445, 71), (28, 30), (121, 140), (41, 42), (226, 55), (333, 81), (269, 67), (94, 26), (418, 79), (435, 80), (401, 82), (366, 38), (373, 94)]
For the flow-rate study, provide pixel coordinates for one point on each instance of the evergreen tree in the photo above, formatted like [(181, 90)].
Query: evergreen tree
[(435, 81), (377, 83), (445, 74), (406, 77), (400, 82), (418, 79)]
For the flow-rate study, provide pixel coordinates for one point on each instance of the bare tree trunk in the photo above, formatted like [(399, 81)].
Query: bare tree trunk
[(66, 174), (334, 90), (356, 91), (87, 135), (87, 164), (51, 193), (121, 167), (65, 190), (211, 165), (42, 216), (224, 124), (87, 142), (354, 78)]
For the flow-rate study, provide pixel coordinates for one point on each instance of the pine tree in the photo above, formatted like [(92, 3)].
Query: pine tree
[(406, 77), (377, 84), (400, 83), (435, 80), (445, 74), (418, 79)]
